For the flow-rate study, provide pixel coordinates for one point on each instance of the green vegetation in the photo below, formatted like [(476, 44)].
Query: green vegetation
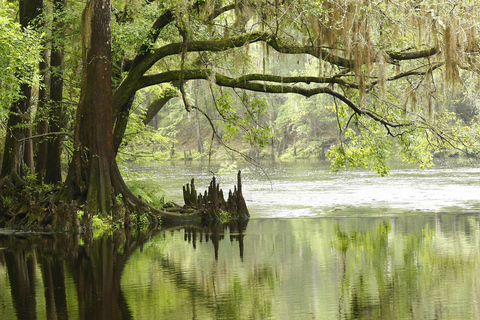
[(355, 82), (148, 189), (329, 268), (19, 54)]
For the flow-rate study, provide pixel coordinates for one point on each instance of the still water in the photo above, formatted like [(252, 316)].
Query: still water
[(318, 246)]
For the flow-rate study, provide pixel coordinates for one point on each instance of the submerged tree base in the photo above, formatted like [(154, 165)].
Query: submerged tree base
[(211, 206), (29, 208)]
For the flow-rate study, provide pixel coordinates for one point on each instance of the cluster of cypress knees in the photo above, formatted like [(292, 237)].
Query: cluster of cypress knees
[(212, 204)]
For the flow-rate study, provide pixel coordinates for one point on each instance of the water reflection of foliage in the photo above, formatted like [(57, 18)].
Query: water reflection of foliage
[(385, 276), (80, 276), (187, 286), (75, 268)]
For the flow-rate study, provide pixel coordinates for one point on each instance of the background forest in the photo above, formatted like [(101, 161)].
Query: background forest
[(84, 84)]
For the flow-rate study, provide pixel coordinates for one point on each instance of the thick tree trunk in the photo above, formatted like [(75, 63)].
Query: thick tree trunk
[(90, 171), (93, 176)]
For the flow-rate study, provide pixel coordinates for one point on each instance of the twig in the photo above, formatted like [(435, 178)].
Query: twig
[(44, 135)]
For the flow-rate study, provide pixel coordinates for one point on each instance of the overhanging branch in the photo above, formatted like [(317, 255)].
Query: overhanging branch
[(168, 76), (276, 44), (127, 88), (414, 72), (412, 55), (246, 83)]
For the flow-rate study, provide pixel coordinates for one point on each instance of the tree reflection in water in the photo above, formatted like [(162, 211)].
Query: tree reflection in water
[(216, 232), (95, 264), (422, 266), (389, 276), (214, 282)]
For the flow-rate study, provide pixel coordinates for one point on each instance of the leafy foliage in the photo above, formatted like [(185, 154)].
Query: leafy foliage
[(142, 142), (383, 75), (148, 189), (19, 55), (398, 78)]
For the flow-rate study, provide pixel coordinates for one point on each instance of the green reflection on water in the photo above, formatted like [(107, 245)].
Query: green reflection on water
[(314, 268), (198, 273), (406, 267)]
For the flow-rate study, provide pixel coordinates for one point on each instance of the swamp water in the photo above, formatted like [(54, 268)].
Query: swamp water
[(319, 246)]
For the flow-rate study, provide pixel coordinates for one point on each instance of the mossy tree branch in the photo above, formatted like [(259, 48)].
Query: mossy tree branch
[(127, 89), (259, 83)]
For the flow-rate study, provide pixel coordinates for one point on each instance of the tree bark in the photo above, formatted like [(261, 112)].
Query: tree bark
[(53, 172), (42, 123), (90, 172), (94, 177), (14, 149), (197, 122), (14, 152)]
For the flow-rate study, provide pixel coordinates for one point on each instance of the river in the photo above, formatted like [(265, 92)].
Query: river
[(319, 245)]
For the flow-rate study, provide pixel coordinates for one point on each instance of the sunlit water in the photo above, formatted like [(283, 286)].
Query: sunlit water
[(360, 247)]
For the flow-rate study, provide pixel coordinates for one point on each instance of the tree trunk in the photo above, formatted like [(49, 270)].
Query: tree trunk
[(12, 163), (93, 176), (53, 173), (197, 122), (28, 156), (14, 152), (42, 123), (90, 172)]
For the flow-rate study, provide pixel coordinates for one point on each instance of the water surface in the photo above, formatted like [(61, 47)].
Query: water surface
[(319, 246), (310, 189)]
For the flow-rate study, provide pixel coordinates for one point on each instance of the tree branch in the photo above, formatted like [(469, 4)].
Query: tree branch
[(242, 83), (157, 105), (405, 74), (221, 10), (412, 55), (162, 21), (168, 76), (45, 135), (241, 40)]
